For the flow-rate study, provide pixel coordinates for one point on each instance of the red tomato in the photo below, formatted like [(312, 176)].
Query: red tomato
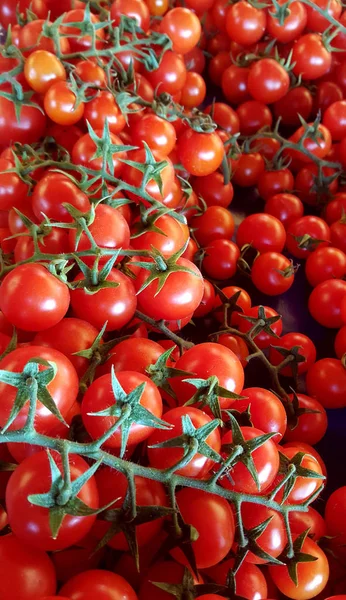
[(158, 133), (31, 523), (29, 128), (134, 177), (275, 182), (312, 520), (268, 81), (326, 381), (213, 190), (262, 339), (306, 349), (245, 24), (285, 207), (298, 100), (303, 487), (304, 234), (328, 93), (237, 345), (265, 459), (247, 168), (273, 539), (325, 263), (335, 512), (338, 234), (250, 581), (253, 115), (215, 223), (243, 303), (309, 426), (44, 298), (78, 42), (234, 82), (48, 193), (264, 232), (206, 360), (267, 412), (26, 572), (183, 27), (224, 116), (13, 191), (100, 584), (340, 342), (83, 153), (310, 57), (207, 155), (104, 109), (216, 534), (170, 76), (292, 26), (135, 354), (60, 104), (135, 9), (316, 21), (272, 273), (325, 302), (170, 237), (101, 396)]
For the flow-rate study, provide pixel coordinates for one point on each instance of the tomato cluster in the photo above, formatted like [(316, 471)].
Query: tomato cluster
[(136, 464)]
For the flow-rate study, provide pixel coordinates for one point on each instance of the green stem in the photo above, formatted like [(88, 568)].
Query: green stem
[(181, 343)]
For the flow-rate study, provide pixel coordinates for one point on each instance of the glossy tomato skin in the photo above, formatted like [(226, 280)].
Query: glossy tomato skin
[(63, 388), (30, 127), (206, 360), (275, 182), (134, 177), (84, 150), (245, 24), (221, 259), (311, 57), (44, 299), (135, 354), (26, 572), (312, 577), (335, 512), (266, 411), (247, 168), (216, 534), (170, 76), (325, 302), (250, 581), (70, 335), (48, 194), (100, 584), (157, 133), (207, 155), (264, 232), (266, 460), (303, 487), (60, 104), (307, 349), (326, 381), (213, 190), (216, 223), (292, 26), (135, 9), (268, 81), (42, 69), (312, 520), (273, 539), (183, 27), (31, 523), (234, 82), (310, 225), (13, 191), (112, 484), (272, 273), (116, 305), (100, 396), (311, 427), (171, 237), (263, 339), (298, 100), (253, 115), (164, 458), (243, 303), (325, 263)]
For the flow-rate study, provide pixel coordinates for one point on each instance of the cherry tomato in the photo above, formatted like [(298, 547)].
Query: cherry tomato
[(325, 263), (234, 81), (97, 583), (262, 339), (245, 24), (42, 69), (325, 302), (309, 426), (213, 190), (266, 411), (273, 539), (340, 342), (304, 486), (104, 109), (27, 129), (268, 81), (310, 57), (285, 207), (272, 273), (247, 168), (264, 232), (156, 132), (326, 381), (83, 153), (253, 115), (215, 223), (306, 349), (249, 579), (48, 193), (183, 27), (298, 100), (275, 182), (207, 155), (303, 232), (292, 26), (135, 9), (312, 520), (136, 354), (61, 105), (170, 76), (242, 303)]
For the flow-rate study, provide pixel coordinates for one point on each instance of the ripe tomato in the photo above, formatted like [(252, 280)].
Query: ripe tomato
[(42, 69), (30, 38), (285, 207), (325, 302), (245, 24), (328, 93), (337, 234), (207, 155), (272, 273), (194, 90), (97, 583), (253, 115), (275, 182), (78, 42), (134, 177), (298, 100), (243, 303), (207, 302), (312, 576), (116, 305), (234, 81), (167, 571), (340, 342), (54, 242), (292, 26), (264, 232), (316, 21), (224, 116), (325, 263), (170, 76), (135, 9), (100, 396), (310, 57), (213, 190), (249, 579), (26, 572), (170, 237), (103, 109), (306, 349), (273, 539), (183, 27), (326, 381), (13, 191), (310, 426), (303, 487), (31, 523), (216, 534), (48, 193), (135, 354), (215, 223), (84, 150), (335, 512), (27, 129), (268, 81), (266, 411), (312, 520), (262, 339), (206, 360), (60, 104), (237, 345), (303, 232), (44, 299), (303, 447), (158, 133), (247, 168), (265, 459), (111, 485), (8, 10), (164, 458), (318, 147)]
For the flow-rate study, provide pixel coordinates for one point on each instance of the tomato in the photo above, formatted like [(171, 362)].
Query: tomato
[(249, 580), (247, 168), (335, 512), (148, 493), (165, 458), (292, 26), (216, 534), (136, 354), (326, 381), (243, 303), (13, 191), (134, 177), (166, 571), (213, 190), (264, 232), (319, 147), (224, 116), (27, 130), (60, 104), (304, 234), (26, 573), (327, 93), (100, 396), (69, 336), (312, 520), (180, 295), (310, 426), (206, 360), (44, 299), (310, 57), (262, 339), (104, 109), (245, 24), (325, 263), (298, 100), (308, 187), (48, 193), (273, 539), (116, 305), (30, 38), (169, 238), (253, 115), (135, 9), (100, 584), (84, 150), (42, 69), (90, 72), (30, 522), (237, 345), (337, 235), (285, 207), (195, 61), (266, 411), (325, 302), (8, 14), (334, 209), (275, 182), (170, 76), (77, 41), (265, 460), (316, 21), (215, 223), (272, 273), (268, 81), (312, 576), (306, 349), (340, 342), (303, 487), (234, 82), (183, 27), (156, 132), (207, 155), (53, 242)]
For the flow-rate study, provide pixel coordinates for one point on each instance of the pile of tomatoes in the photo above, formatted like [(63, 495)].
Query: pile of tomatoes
[(138, 459)]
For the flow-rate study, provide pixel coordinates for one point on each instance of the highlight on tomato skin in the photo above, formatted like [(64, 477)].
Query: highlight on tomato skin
[(172, 299)]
